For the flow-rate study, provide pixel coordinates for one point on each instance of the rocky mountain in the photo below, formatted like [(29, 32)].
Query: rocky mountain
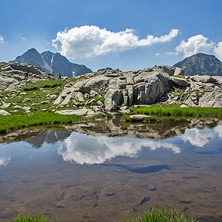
[(52, 63), (201, 64)]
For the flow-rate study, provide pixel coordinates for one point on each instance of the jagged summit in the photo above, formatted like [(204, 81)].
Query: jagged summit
[(52, 63), (201, 64)]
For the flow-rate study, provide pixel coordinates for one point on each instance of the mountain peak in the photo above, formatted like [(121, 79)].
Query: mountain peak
[(201, 64), (52, 63), (32, 50)]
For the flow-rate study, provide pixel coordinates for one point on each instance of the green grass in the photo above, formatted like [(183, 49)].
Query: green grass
[(43, 84), (30, 218), (178, 111), (11, 122), (162, 215), (126, 118)]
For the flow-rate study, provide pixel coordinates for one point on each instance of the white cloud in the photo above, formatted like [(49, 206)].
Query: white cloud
[(218, 50), (1, 40), (195, 44), (85, 149), (86, 41)]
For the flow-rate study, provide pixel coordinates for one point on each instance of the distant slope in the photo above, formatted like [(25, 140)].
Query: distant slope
[(52, 63), (201, 64)]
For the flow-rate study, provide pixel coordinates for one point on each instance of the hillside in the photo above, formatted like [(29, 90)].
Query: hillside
[(104, 91), (201, 64), (52, 63)]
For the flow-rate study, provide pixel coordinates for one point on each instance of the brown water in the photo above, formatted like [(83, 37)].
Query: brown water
[(78, 177)]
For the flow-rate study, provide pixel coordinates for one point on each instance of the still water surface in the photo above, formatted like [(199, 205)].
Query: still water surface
[(80, 177)]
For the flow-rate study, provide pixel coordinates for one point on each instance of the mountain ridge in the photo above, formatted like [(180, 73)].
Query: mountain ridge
[(52, 63), (201, 64)]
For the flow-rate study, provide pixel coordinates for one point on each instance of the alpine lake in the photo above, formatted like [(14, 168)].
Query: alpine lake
[(108, 170)]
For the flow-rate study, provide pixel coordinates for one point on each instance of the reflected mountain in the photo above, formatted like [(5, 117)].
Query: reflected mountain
[(35, 136), (49, 136)]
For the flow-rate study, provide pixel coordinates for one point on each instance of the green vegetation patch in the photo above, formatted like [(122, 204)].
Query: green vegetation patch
[(162, 215), (30, 218), (43, 84), (11, 122), (177, 111)]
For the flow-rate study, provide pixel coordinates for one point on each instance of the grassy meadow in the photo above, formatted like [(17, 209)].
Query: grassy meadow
[(169, 110)]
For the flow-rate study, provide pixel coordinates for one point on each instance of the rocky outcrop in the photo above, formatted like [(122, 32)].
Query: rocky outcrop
[(203, 91), (148, 86), (12, 75)]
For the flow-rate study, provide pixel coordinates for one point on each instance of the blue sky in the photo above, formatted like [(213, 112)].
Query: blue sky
[(124, 34)]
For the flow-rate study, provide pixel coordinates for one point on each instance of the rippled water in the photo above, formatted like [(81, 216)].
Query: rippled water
[(77, 176)]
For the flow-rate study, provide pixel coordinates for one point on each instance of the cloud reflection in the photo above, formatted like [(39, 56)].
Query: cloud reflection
[(201, 137), (86, 149), (4, 161)]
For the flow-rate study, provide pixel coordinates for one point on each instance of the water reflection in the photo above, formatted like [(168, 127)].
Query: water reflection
[(201, 137), (148, 165), (85, 149), (4, 161)]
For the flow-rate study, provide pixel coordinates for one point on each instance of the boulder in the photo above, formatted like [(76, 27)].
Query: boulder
[(180, 81), (178, 72), (4, 113), (79, 96), (204, 79), (113, 98), (80, 112), (148, 93), (137, 118), (97, 84)]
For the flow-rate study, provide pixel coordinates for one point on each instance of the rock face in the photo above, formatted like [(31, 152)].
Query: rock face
[(148, 86), (12, 75), (52, 63), (118, 88), (201, 64)]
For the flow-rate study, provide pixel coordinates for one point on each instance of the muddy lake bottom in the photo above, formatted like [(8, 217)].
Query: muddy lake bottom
[(77, 176)]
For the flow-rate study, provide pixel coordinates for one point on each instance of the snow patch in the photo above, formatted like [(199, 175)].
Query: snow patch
[(47, 67)]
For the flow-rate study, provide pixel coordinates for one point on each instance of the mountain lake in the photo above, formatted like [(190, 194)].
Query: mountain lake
[(107, 171)]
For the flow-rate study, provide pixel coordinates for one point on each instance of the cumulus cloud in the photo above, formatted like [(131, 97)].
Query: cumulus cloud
[(1, 40), (195, 44), (218, 50), (86, 41), (85, 149)]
